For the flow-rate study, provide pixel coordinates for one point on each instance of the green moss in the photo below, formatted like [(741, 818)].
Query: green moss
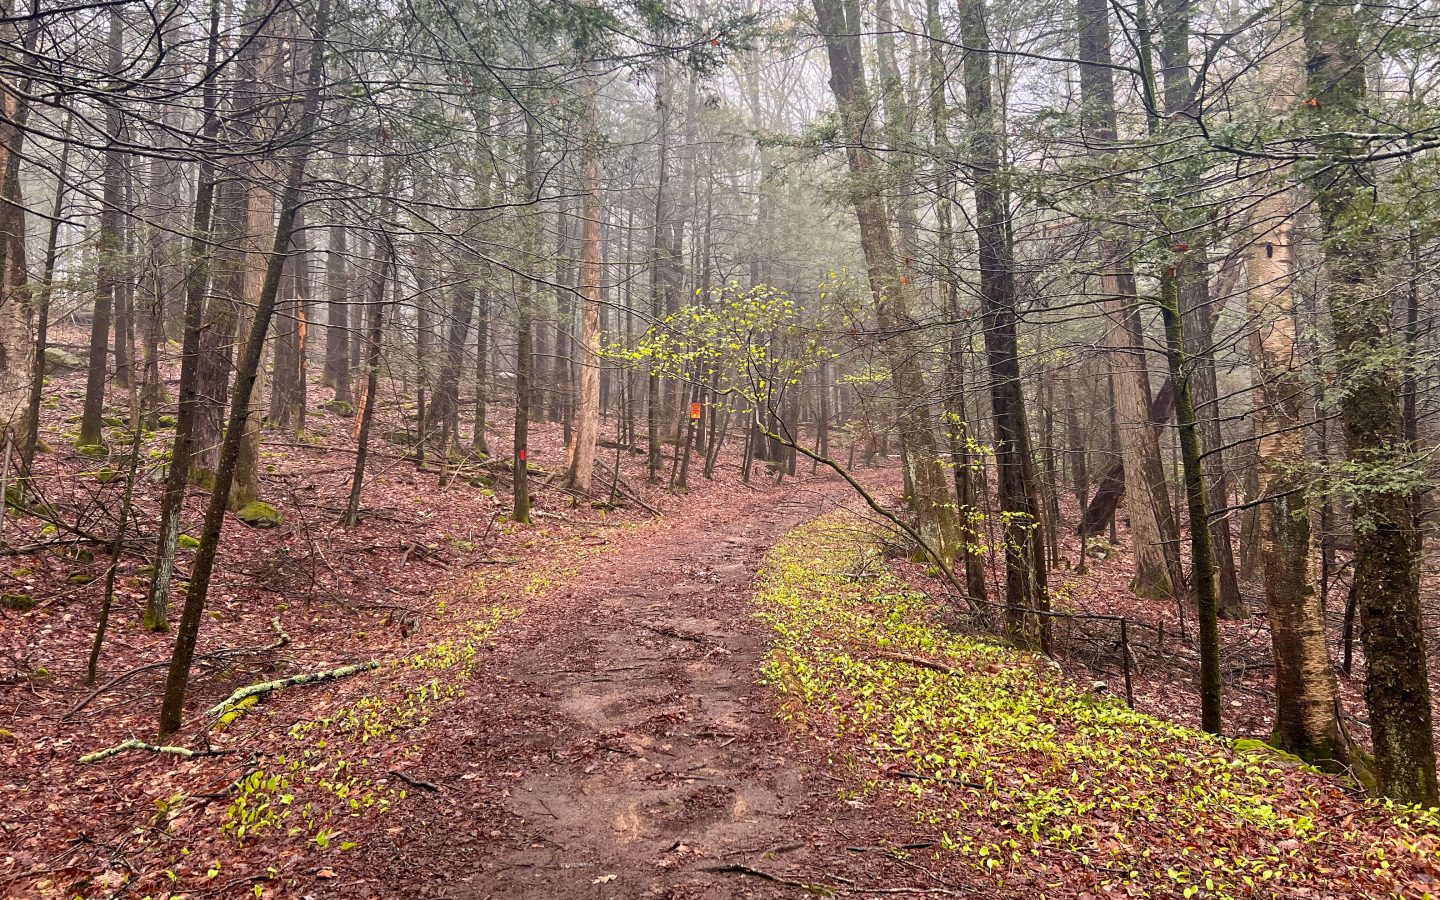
[(342, 408), (259, 514), (92, 450), (79, 578), (17, 602), (188, 542), (166, 422), (235, 712)]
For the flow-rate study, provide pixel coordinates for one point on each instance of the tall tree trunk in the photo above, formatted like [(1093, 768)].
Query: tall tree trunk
[(373, 347), (581, 452), (18, 422), (107, 278), (1305, 690), (840, 22), (447, 393), (482, 362), (1147, 500), (956, 429), (177, 681), (524, 327), (287, 389), (658, 268), (197, 279), (337, 316), (30, 422), (1025, 588), (1387, 572), (1198, 310)]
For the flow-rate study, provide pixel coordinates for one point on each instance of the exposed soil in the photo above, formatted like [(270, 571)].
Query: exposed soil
[(639, 754)]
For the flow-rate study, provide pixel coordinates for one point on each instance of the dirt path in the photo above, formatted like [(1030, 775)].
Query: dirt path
[(626, 749)]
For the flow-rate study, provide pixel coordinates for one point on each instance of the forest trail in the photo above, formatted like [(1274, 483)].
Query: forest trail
[(635, 751)]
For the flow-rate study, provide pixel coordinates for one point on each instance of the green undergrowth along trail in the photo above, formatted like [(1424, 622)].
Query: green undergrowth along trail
[(339, 764), (1030, 779)]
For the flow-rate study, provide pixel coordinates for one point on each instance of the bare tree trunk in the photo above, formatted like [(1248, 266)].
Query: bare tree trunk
[(1025, 586), (1387, 574), (581, 452), (196, 281), (177, 681), (658, 269), (337, 317), (287, 390), (930, 498), (107, 278), (31, 420), (372, 368), (17, 420), (1305, 689), (524, 326), (1147, 500)]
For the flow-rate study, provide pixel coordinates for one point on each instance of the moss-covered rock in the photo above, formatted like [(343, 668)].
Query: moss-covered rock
[(1254, 745), (58, 358), (259, 514), (342, 408), (92, 450), (79, 578), (188, 542), (165, 422), (17, 602)]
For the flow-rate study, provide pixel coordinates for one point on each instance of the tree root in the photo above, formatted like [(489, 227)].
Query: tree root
[(266, 687), (825, 890)]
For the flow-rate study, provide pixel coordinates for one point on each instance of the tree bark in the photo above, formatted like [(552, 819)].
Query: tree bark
[(1025, 576), (177, 681), (581, 452), (196, 282), (109, 247), (929, 499), (1152, 523), (1368, 363)]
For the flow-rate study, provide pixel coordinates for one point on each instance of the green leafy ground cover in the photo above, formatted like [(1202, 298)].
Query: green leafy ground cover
[(1025, 777)]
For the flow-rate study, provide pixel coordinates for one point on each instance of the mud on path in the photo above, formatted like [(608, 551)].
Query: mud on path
[(625, 748)]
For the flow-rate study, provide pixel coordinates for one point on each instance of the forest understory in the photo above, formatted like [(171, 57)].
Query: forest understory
[(679, 449), (586, 706)]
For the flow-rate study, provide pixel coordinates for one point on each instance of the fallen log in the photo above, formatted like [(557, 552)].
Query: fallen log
[(266, 687), (920, 662), (136, 744)]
